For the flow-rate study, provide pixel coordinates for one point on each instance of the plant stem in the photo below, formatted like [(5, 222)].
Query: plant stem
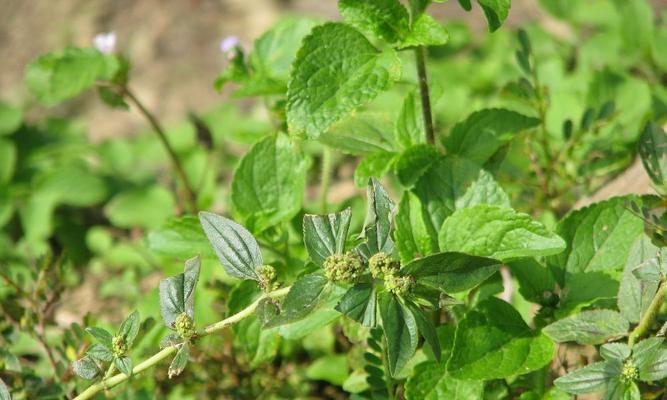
[(650, 315), (110, 382), (157, 127), (325, 178), (420, 56)]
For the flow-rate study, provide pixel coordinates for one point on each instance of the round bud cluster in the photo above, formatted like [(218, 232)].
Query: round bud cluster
[(630, 372), (382, 264), (267, 277), (118, 346), (397, 284), (184, 326), (346, 267)]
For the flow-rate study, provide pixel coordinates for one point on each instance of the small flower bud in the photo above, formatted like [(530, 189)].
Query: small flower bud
[(630, 372), (397, 284), (118, 346), (105, 42), (230, 46), (382, 264), (267, 277), (346, 267), (184, 326)]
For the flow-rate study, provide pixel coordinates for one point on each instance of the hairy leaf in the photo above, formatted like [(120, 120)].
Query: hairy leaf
[(653, 152), (305, 295), (102, 335), (180, 360), (99, 352), (588, 327), (359, 303), (86, 368), (325, 235), (635, 294), (177, 293), (129, 328), (400, 330), (377, 228), (591, 378), (124, 364), (386, 19), (413, 238)]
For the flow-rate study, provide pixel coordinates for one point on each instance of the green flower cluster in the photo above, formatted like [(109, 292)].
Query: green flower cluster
[(118, 346), (346, 267), (382, 264), (398, 284), (184, 326), (267, 277), (630, 372)]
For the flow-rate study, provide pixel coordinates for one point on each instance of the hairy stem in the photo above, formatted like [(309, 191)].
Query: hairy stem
[(325, 178), (651, 314), (420, 56), (176, 162), (110, 382)]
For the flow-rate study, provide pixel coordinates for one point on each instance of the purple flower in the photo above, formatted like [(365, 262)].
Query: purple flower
[(228, 44), (105, 42)]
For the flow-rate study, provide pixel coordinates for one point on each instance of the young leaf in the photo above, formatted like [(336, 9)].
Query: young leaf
[(99, 352), (386, 19), (236, 248), (653, 152), (359, 303), (400, 329), (588, 327), (494, 342), (485, 131), (426, 31), (497, 232), (102, 335), (305, 295), (413, 238), (615, 351), (177, 293), (129, 328), (430, 381), (124, 364), (451, 272), (269, 182), (325, 235), (336, 71), (591, 378), (180, 360), (377, 228), (86, 368)]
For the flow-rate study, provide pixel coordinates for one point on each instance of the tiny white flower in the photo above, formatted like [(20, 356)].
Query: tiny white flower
[(228, 44), (105, 42)]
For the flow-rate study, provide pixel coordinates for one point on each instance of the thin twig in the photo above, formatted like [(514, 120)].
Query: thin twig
[(420, 56), (650, 315)]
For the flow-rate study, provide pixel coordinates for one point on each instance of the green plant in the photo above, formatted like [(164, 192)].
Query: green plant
[(412, 298)]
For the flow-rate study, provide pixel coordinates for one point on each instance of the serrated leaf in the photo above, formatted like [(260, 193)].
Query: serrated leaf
[(653, 152), (430, 381), (180, 238), (588, 327), (412, 234), (235, 247), (480, 135), (102, 335), (426, 31), (534, 279), (180, 360), (374, 165), (124, 364), (325, 235), (377, 227), (412, 163), (269, 182), (177, 293), (386, 19), (591, 378), (86, 368), (497, 232), (400, 330), (655, 366), (336, 71), (442, 191), (306, 294), (359, 303), (615, 351), (451, 272), (361, 133), (99, 352), (129, 328), (494, 342), (635, 294)]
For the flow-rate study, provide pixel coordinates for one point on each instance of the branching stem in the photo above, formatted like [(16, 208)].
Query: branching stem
[(112, 381), (650, 315), (420, 56)]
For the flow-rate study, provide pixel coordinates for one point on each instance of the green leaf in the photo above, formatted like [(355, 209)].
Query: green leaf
[(359, 303), (635, 294), (413, 238), (374, 165), (75, 184), (8, 156), (589, 379), (331, 368), (485, 131), (442, 191), (269, 182), (598, 237), (430, 381), (129, 328), (86, 368), (377, 228), (4, 390), (325, 235), (61, 75), (306, 294), (177, 293), (146, 207), (426, 31), (451, 272), (496, 12), (615, 351), (655, 368), (497, 232), (180, 238), (588, 327), (653, 152), (99, 352), (534, 279), (412, 163), (427, 330), (102, 336), (180, 360), (236, 248), (361, 133), (124, 365), (10, 119), (400, 329), (645, 351), (494, 342), (386, 19), (336, 71)]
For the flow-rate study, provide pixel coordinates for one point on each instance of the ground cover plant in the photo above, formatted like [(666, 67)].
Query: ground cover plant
[(460, 268)]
